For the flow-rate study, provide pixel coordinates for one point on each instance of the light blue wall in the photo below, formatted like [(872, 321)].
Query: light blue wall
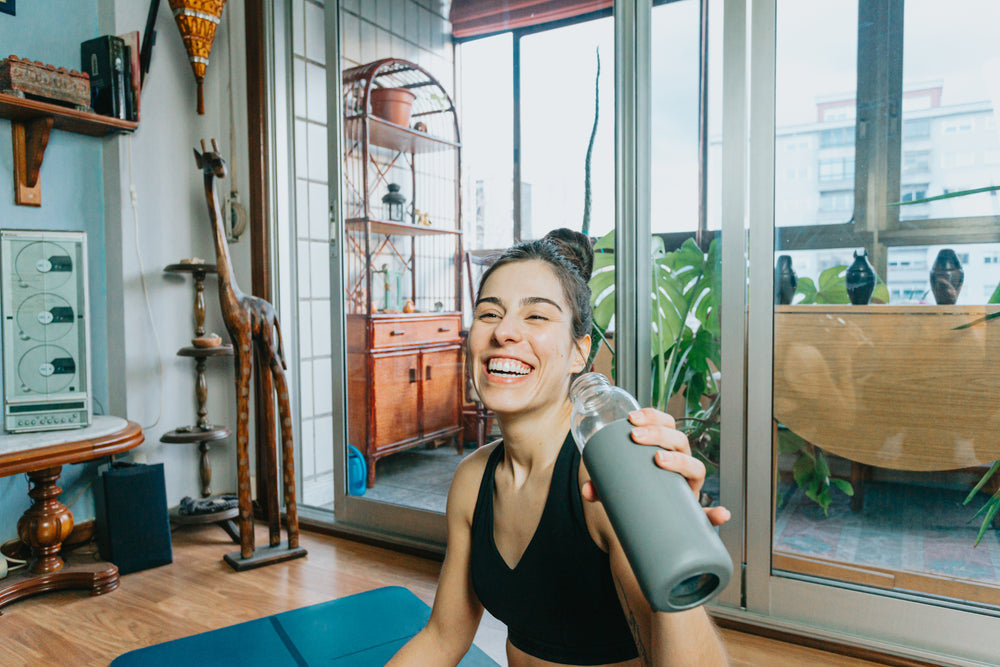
[(72, 189)]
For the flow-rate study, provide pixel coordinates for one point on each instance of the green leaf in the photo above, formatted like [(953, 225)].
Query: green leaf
[(843, 485), (881, 293), (803, 469), (982, 482), (833, 286), (822, 467), (807, 288), (950, 195), (606, 242), (973, 323), (789, 442), (824, 500), (995, 297), (832, 277), (994, 505)]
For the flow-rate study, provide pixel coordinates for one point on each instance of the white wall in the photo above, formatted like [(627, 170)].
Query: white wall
[(172, 225)]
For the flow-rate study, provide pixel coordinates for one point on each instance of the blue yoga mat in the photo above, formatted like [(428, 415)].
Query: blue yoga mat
[(359, 630)]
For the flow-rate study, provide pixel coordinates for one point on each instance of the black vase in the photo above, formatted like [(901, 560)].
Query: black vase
[(947, 277), (860, 280), (785, 281)]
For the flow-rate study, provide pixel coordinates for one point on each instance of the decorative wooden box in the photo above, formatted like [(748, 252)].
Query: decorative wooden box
[(25, 78)]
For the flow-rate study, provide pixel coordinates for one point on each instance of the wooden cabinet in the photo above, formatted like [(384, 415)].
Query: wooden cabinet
[(402, 395), (402, 268)]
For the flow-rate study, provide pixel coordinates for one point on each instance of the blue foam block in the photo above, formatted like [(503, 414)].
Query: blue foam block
[(359, 630)]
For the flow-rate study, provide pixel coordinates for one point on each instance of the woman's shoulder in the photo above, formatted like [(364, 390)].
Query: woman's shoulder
[(468, 477)]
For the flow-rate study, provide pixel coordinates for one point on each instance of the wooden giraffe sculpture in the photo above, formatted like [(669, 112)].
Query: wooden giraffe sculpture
[(253, 328)]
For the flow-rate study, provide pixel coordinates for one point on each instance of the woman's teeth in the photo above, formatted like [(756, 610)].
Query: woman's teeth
[(508, 367)]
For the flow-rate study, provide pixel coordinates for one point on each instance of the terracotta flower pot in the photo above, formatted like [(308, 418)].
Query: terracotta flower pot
[(392, 104)]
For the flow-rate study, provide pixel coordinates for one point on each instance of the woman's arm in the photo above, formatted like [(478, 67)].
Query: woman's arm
[(677, 638), (456, 613)]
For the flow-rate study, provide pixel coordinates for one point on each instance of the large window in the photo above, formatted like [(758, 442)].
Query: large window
[(874, 460)]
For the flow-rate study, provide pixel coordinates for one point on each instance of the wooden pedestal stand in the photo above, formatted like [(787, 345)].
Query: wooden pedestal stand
[(48, 522), (202, 433)]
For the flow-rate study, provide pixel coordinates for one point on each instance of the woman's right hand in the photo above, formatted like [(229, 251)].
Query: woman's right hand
[(656, 428)]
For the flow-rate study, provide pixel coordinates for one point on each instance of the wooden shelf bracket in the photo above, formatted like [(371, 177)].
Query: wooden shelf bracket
[(29, 138)]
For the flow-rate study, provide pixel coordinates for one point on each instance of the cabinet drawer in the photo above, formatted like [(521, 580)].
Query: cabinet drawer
[(415, 331)]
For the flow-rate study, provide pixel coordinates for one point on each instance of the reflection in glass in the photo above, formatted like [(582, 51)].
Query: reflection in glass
[(885, 414)]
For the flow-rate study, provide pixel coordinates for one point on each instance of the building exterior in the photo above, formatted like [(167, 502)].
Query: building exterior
[(943, 149)]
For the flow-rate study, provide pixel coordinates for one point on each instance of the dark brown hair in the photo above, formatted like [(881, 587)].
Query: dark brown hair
[(571, 257)]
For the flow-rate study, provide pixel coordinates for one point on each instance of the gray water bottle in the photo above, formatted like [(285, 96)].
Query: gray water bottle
[(674, 550)]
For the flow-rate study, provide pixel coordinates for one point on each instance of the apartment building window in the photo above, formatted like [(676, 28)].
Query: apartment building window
[(839, 136), (916, 162), (836, 200), (916, 128), (913, 192), (836, 169)]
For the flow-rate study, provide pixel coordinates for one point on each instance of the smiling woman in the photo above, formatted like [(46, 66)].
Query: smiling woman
[(522, 541)]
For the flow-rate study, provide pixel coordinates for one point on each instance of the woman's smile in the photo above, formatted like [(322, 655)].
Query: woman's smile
[(507, 369)]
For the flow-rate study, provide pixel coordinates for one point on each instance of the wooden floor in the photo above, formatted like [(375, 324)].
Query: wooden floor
[(200, 592)]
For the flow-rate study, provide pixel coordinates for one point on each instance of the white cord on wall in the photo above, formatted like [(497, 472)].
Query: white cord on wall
[(133, 196)]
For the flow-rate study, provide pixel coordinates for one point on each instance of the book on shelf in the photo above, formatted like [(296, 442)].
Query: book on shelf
[(134, 78), (106, 61)]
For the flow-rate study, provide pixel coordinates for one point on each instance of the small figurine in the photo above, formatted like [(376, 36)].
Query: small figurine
[(860, 279), (785, 281), (422, 218), (947, 277)]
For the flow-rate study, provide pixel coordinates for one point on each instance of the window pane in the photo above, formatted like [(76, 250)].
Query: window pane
[(883, 399), (815, 112), (951, 80), (674, 123), (486, 79), (558, 68)]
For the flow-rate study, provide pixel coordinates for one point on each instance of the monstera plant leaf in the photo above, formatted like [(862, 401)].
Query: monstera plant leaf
[(685, 305)]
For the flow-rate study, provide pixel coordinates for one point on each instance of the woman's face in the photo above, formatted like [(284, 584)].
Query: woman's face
[(521, 348)]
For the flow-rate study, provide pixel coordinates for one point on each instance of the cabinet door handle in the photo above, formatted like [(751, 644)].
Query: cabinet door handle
[(413, 375), (443, 329), (397, 332), (427, 372)]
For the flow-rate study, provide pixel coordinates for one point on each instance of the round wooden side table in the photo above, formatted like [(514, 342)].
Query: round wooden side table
[(48, 522)]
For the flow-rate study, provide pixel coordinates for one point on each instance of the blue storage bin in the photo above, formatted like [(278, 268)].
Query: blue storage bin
[(357, 472)]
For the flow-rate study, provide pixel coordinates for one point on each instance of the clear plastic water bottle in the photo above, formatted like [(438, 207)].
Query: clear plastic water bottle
[(674, 550)]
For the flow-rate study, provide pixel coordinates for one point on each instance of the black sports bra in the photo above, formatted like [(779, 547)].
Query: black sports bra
[(559, 602)]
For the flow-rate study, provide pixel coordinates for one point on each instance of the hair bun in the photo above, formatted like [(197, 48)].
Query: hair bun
[(576, 248)]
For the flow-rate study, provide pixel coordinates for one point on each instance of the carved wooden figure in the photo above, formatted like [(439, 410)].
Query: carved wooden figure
[(253, 327)]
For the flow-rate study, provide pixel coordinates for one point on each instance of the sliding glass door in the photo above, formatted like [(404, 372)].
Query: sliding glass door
[(871, 454), (502, 144)]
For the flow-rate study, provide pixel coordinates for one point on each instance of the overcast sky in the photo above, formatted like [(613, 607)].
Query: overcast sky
[(952, 44)]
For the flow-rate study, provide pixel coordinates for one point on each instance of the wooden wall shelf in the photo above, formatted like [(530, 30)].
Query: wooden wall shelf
[(31, 121)]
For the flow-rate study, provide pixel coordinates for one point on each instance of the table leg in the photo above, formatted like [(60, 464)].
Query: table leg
[(43, 527), (45, 524)]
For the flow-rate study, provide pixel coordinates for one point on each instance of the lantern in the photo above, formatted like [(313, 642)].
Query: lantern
[(392, 203), (197, 21)]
